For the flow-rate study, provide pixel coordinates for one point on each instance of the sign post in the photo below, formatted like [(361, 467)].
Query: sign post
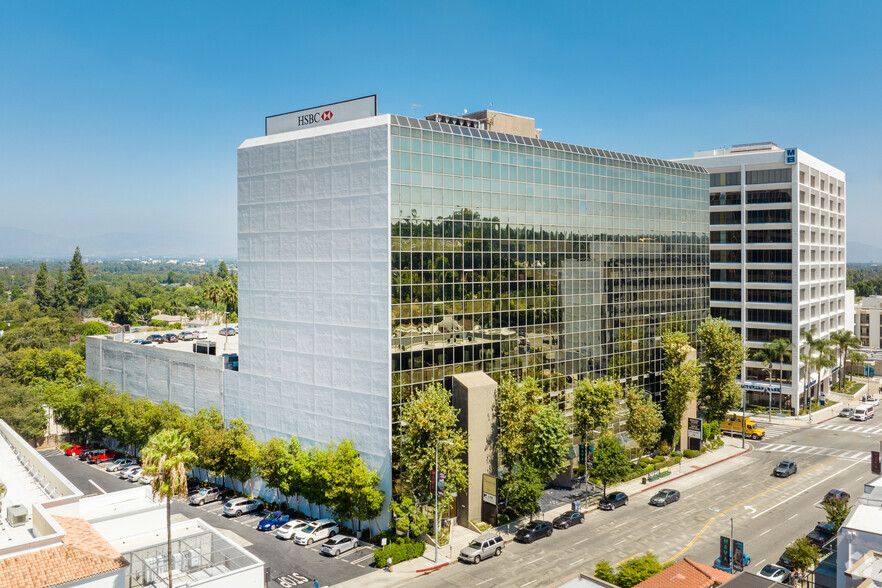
[(693, 433)]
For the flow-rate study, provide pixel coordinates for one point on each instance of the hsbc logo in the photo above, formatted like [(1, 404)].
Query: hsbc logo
[(314, 117)]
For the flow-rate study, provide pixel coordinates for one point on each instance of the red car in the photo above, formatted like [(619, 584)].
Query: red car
[(76, 449), (103, 456)]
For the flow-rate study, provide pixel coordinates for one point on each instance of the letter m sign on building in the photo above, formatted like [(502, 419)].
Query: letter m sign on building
[(790, 156)]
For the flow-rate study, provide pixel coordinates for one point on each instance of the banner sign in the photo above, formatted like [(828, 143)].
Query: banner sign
[(322, 115), (488, 486)]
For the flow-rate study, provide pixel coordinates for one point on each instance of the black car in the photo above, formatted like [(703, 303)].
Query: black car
[(785, 562), (171, 338), (821, 534), (568, 518), (836, 496), (665, 497), (156, 338), (785, 469), (534, 530), (613, 501)]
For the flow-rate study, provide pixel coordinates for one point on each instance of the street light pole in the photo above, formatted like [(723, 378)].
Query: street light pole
[(731, 536), (437, 444), (770, 392), (743, 416)]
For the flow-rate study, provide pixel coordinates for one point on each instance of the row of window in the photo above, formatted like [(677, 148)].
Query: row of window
[(757, 315), (769, 236), (753, 256), (733, 217), (753, 275), (734, 295), (760, 176), (754, 197)]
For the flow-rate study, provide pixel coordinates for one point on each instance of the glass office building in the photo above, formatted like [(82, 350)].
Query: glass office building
[(379, 254)]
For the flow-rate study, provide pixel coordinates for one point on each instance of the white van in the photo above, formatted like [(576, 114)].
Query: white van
[(863, 413)]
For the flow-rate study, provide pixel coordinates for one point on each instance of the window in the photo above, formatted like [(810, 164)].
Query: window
[(765, 315), (767, 196), (725, 294), (766, 335), (725, 275), (771, 236), (730, 314), (771, 296), (768, 276), (725, 179), (768, 176), (732, 217), (765, 216), (725, 256), (725, 199), (768, 256), (725, 237)]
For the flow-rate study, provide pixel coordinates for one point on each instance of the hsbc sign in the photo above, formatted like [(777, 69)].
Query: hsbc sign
[(322, 115)]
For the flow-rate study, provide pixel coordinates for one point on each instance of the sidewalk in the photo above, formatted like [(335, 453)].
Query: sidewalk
[(447, 554)]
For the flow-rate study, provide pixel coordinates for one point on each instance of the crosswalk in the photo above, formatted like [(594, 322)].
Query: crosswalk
[(826, 451), (51, 452), (773, 430), (853, 428)]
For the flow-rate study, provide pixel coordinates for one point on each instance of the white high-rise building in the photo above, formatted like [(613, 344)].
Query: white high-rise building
[(777, 219)]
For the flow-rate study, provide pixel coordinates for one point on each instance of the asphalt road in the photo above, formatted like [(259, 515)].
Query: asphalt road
[(768, 512), (290, 564)]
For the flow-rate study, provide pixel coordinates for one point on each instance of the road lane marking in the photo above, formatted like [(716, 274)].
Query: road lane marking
[(794, 516), (534, 561), (690, 510), (751, 499), (528, 583), (626, 559), (577, 561), (582, 541), (810, 487), (621, 524), (483, 581), (764, 532), (620, 542), (759, 562), (657, 526)]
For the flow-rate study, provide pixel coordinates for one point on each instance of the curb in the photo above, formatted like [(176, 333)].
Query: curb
[(433, 568), (749, 448)]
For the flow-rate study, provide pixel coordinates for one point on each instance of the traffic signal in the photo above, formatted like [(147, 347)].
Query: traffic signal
[(440, 482), (581, 453), (432, 481)]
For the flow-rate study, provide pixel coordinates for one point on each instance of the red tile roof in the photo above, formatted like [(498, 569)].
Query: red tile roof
[(83, 553), (686, 573)]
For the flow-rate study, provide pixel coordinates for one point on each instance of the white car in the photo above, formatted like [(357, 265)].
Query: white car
[(126, 472), (288, 530), (237, 506), (338, 545), (316, 531), (199, 333), (145, 479), (119, 464), (774, 573), (135, 475)]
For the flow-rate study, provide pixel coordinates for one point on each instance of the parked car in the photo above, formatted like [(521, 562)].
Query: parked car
[(228, 331), (665, 497), (123, 472), (867, 399), (103, 456), (836, 496), (156, 338), (316, 531), (846, 412), (534, 530), (785, 562), (237, 506), (120, 463), (170, 338), (148, 342), (129, 473), (785, 469), (273, 521), (482, 548), (339, 544), (821, 534), (210, 494), (289, 529), (613, 501), (186, 336), (145, 479), (568, 518), (136, 475), (199, 333), (85, 455), (775, 573), (76, 450)]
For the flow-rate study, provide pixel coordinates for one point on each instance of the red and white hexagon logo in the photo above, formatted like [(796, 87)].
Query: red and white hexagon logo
[(327, 115)]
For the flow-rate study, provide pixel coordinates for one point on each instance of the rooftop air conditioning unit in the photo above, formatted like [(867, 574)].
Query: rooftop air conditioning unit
[(17, 515)]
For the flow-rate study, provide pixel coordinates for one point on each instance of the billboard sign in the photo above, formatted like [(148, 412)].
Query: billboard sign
[(488, 486), (325, 114), (693, 433), (738, 557), (724, 551)]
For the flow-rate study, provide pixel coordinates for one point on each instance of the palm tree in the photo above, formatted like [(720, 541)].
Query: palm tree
[(819, 355), (214, 293), (843, 341), (166, 457), (856, 357), (782, 348), (230, 298), (767, 356)]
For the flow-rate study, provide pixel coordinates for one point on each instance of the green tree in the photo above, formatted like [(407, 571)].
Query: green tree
[(123, 307), (76, 283), (631, 572), (837, 512), (240, 452), (429, 421), (29, 366), (353, 482), (522, 487), (594, 405), (274, 462), (516, 403), (644, 421), (819, 356), (723, 354), (42, 297), (206, 430), (843, 341), (96, 294), (316, 477), (39, 333), (803, 555), (409, 518), (681, 379), (772, 351), (222, 271), (143, 309), (22, 409), (855, 357), (611, 462), (166, 457), (549, 442), (60, 293)]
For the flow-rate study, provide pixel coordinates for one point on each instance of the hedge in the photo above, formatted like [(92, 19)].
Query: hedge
[(402, 549), (690, 453)]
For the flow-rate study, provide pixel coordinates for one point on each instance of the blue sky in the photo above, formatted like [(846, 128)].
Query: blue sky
[(126, 116)]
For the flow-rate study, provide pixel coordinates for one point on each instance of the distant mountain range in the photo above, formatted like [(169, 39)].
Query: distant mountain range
[(25, 244), (857, 252)]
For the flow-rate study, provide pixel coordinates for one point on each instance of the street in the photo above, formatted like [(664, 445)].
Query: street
[(768, 512)]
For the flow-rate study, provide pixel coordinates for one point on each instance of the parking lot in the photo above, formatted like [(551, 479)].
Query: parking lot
[(232, 341), (289, 564)]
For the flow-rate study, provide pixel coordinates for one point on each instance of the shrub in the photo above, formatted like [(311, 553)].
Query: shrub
[(690, 453), (645, 461), (389, 535), (64, 446), (402, 549), (658, 459), (664, 448)]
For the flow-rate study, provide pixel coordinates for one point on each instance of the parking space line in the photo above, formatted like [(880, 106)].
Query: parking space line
[(483, 581), (582, 541), (572, 563), (534, 561)]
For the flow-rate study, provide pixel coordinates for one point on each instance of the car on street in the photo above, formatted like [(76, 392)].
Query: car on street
[(120, 463), (821, 534), (867, 399), (103, 456), (613, 501), (316, 531), (289, 529), (665, 497), (846, 413), (533, 530), (273, 521), (339, 544), (156, 338), (568, 518), (836, 496), (775, 573), (76, 450), (170, 338), (238, 506), (204, 495), (785, 469), (229, 331), (130, 473), (482, 548)]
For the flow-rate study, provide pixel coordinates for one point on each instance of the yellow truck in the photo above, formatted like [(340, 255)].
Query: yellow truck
[(732, 425)]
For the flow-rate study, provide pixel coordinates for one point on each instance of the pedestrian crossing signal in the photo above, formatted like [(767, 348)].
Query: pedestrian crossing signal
[(875, 464)]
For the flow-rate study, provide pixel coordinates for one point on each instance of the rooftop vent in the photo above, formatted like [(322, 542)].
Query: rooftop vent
[(764, 146), (455, 120)]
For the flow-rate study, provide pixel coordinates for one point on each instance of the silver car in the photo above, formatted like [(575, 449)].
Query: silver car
[(119, 464), (337, 545), (124, 472), (482, 548), (237, 506)]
